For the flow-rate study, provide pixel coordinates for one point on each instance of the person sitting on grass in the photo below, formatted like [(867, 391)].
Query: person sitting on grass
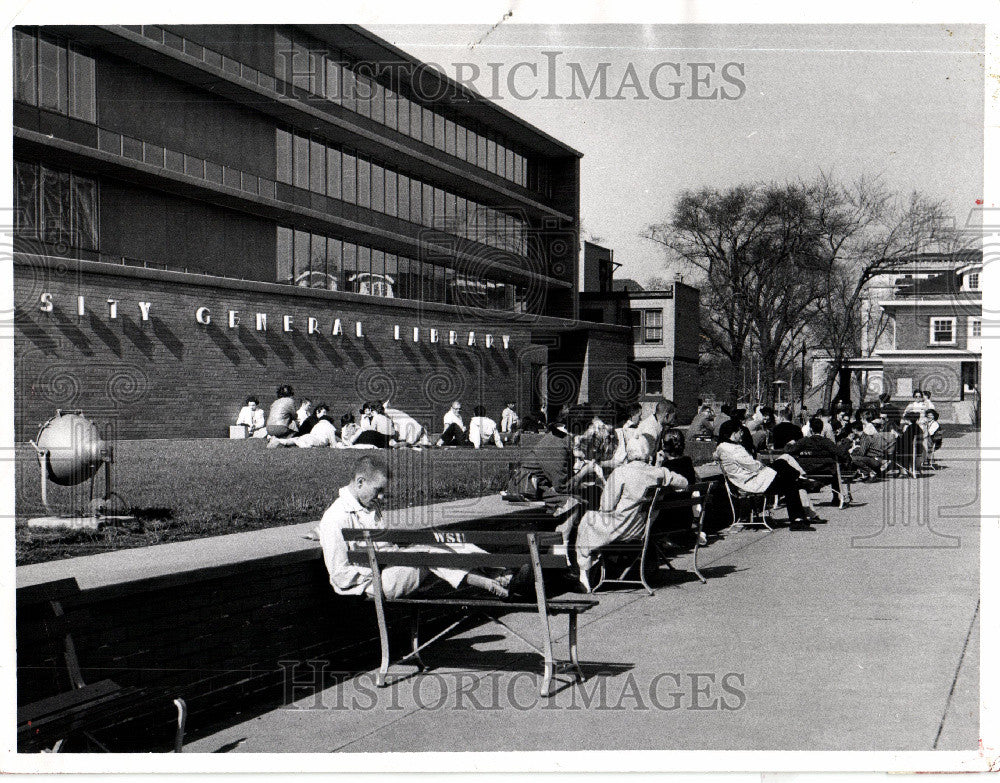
[(454, 433), (510, 424), (359, 505), (620, 516), (306, 425), (281, 417), (483, 430), (305, 409), (348, 428), (252, 417), (321, 432), (409, 431), (749, 475), (374, 430)]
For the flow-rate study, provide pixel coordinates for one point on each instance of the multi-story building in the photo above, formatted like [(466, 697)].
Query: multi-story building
[(206, 212), (665, 328), (923, 330)]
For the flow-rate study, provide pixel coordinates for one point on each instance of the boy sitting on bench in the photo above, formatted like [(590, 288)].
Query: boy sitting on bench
[(360, 506)]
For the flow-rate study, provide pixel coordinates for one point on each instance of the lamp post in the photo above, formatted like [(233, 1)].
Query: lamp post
[(777, 392)]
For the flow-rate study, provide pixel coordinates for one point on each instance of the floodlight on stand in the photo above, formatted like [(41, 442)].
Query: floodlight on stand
[(71, 451)]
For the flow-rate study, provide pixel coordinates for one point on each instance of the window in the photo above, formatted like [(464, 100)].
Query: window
[(651, 377), (652, 326), (350, 268), (25, 70), (333, 174), (283, 255), (349, 179), (300, 162), (52, 76), (300, 258), (942, 331), (55, 206), (317, 167), (972, 281), (82, 95), (378, 188), (364, 183), (975, 328), (647, 327), (391, 197), (317, 275)]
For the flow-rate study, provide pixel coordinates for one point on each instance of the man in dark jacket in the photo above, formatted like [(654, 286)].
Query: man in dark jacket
[(819, 456)]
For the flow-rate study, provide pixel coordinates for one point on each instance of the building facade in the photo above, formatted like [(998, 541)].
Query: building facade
[(924, 331), (206, 212), (665, 328)]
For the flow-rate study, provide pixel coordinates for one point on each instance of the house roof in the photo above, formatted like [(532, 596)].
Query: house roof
[(626, 284)]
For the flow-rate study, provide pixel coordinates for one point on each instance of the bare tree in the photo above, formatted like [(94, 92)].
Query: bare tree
[(758, 252)]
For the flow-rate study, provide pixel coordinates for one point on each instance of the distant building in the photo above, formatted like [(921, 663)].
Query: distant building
[(922, 329), (665, 328)]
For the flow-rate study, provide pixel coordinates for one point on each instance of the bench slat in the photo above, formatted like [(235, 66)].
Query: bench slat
[(38, 710), (478, 537), (554, 605), (465, 562)]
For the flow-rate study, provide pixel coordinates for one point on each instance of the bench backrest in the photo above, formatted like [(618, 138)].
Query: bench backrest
[(666, 502), (503, 549), (44, 629)]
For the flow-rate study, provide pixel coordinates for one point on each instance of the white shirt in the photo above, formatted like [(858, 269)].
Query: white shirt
[(869, 429), (651, 427), (379, 423), (346, 512), (481, 430), (252, 418), (323, 433), (451, 417), (301, 414), (405, 424), (508, 420)]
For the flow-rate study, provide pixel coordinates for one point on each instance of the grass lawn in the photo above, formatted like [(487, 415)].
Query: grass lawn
[(184, 489)]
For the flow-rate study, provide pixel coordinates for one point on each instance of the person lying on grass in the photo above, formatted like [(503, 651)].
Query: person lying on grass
[(359, 505), (321, 432)]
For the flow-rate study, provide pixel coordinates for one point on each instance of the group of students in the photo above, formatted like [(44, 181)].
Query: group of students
[(866, 442), (378, 426), (592, 475)]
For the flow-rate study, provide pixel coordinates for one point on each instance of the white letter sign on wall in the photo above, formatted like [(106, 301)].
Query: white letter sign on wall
[(203, 316), (45, 302), (261, 322), (144, 310), (234, 318), (287, 323)]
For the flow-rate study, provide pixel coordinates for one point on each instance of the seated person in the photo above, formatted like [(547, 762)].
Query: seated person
[(281, 417), (303, 412), (784, 430), (672, 456), (309, 421), (746, 437), (868, 417), (546, 473), (374, 429), (348, 428), (252, 417), (629, 430), (932, 432), (620, 516), (510, 424), (863, 452), (359, 506), (483, 430), (748, 474), (703, 424), (322, 432), (409, 431), (454, 433), (819, 455)]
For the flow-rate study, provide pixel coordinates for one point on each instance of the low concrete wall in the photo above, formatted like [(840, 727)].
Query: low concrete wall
[(221, 621)]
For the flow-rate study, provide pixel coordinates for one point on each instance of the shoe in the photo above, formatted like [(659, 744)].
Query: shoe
[(702, 539), (522, 585), (800, 525), (817, 520)]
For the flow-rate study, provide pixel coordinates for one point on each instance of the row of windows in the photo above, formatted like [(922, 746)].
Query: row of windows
[(327, 74), (942, 331), (55, 75), (312, 165), (55, 206), (647, 327), (318, 261)]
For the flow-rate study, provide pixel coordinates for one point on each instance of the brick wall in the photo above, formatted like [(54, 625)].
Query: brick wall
[(170, 376)]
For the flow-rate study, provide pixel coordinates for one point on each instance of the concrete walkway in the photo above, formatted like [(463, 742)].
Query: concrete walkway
[(862, 635)]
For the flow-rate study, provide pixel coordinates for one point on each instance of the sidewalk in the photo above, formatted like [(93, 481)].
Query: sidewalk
[(862, 635)]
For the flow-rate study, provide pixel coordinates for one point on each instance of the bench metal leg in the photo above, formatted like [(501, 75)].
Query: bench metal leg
[(415, 639), (574, 659), (181, 706), (697, 546), (543, 616), (646, 554)]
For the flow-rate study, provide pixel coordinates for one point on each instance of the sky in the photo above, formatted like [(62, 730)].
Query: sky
[(903, 103)]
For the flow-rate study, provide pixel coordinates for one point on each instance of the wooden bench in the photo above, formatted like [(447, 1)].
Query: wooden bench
[(667, 511), (830, 472), (83, 710), (378, 549)]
